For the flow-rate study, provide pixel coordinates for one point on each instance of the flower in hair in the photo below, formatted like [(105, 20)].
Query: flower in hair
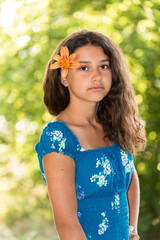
[(64, 61)]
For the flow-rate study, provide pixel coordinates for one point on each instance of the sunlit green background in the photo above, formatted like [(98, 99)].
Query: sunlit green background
[(29, 32)]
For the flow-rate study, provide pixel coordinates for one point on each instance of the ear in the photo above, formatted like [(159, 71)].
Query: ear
[(64, 82)]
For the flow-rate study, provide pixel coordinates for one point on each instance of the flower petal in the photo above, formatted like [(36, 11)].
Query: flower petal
[(75, 64), (64, 52), (72, 56), (56, 57), (64, 72), (55, 65)]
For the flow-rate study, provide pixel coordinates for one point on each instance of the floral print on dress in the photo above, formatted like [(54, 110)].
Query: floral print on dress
[(127, 163), (80, 192), (89, 237), (116, 204), (57, 137), (104, 225), (44, 176), (101, 177), (79, 214)]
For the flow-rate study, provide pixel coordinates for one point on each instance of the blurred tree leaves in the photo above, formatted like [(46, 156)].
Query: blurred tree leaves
[(29, 35)]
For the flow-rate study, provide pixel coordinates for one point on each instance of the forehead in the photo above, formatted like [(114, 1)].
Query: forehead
[(90, 52)]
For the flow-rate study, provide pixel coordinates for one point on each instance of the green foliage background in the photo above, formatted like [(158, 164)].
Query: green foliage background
[(27, 41)]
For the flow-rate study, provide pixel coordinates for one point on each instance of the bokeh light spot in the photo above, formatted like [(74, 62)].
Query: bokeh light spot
[(152, 135), (139, 98), (141, 168)]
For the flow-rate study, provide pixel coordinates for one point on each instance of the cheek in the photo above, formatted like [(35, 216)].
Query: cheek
[(109, 74), (82, 78), (108, 77)]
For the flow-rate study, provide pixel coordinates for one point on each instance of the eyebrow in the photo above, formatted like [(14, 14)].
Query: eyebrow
[(104, 60)]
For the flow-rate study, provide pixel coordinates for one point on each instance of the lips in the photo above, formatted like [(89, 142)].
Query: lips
[(96, 88)]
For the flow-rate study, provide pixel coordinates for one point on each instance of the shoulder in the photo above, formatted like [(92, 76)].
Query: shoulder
[(57, 137), (59, 130)]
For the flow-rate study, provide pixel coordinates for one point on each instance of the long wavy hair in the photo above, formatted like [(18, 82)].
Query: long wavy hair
[(117, 111)]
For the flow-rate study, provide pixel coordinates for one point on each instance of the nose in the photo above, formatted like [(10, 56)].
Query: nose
[(96, 75)]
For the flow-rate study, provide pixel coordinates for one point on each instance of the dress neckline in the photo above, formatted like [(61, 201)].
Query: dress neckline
[(95, 149)]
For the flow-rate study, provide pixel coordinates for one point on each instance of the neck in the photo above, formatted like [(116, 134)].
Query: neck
[(84, 113)]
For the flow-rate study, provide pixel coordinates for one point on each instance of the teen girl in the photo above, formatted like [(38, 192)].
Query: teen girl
[(85, 153)]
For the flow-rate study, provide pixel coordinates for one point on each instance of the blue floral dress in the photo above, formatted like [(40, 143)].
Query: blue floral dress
[(102, 178)]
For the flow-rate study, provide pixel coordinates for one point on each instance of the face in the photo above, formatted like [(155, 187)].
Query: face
[(92, 81)]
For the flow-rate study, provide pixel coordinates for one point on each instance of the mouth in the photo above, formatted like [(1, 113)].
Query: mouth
[(96, 89)]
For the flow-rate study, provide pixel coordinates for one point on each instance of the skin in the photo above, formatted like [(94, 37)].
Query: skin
[(87, 86), (133, 201)]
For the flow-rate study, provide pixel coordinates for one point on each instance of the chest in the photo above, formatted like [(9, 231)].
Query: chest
[(102, 171), (91, 138)]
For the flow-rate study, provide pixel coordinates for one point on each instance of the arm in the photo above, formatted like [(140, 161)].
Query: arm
[(60, 175), (133, 201)]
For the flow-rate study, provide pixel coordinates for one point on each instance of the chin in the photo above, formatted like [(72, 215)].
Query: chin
[(97, 99)]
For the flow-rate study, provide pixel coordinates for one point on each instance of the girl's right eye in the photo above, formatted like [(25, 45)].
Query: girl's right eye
[(83, 68)]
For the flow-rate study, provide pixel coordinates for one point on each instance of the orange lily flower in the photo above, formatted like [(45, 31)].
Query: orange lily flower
[(65, 61)]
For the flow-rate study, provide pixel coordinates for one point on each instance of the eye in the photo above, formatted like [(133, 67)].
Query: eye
[(84, 68), (105, 66)]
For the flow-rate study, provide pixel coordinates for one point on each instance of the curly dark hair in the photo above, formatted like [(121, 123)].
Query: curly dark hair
[(117, 111)]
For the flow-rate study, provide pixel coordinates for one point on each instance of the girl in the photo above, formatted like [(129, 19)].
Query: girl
[(85, 153)]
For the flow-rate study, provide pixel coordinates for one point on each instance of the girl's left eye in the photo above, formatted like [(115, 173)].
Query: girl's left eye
[(104, 67)]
